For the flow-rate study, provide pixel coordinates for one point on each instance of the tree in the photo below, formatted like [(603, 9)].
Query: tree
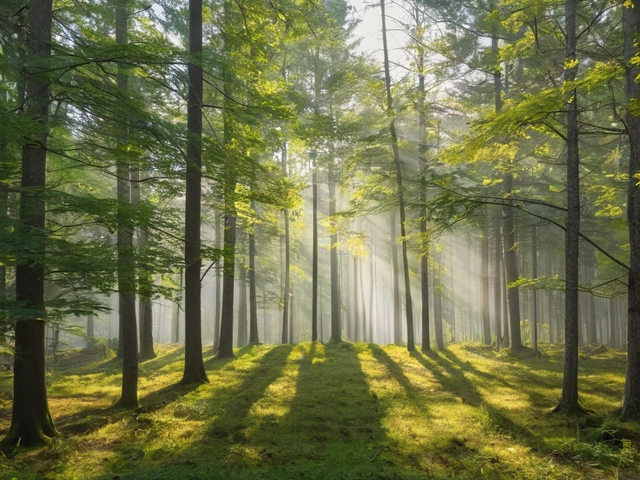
[(400, 191), (631, 28), (193, 364), (126, 263), (569, 400), (31, 422)]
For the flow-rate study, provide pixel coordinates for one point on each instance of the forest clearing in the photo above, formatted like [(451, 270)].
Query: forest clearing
[(335, 411)]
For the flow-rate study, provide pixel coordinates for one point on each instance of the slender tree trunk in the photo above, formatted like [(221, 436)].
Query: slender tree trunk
[(437, 300), (90, 330), (254, 338), (242, 309), (506, 337), (287, 261), (315, 273), (336, 324), (396, 156), (225, 348), (631, 396), (497, 282), (126, 268), (144, 279), (569, 401), (484, 274), (395, 272), (534, 275), (218, 286)]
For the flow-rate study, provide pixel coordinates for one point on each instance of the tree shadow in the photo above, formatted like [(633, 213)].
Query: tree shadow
[(333, 421), (455, 381)]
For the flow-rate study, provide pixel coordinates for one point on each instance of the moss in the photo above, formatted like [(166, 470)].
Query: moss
[(335, 411)]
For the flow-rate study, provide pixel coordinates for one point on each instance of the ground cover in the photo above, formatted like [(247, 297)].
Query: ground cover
[(336, 411)]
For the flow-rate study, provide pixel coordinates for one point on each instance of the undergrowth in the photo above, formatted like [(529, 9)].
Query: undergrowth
[(336, 411)]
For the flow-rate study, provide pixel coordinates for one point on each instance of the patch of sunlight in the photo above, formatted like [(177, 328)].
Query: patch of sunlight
[(505, 398), (276, 402)]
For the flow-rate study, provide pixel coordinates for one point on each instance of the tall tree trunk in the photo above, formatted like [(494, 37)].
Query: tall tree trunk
[(484, 274), (631, 396), (242, 308), (314, 261), (225, 348), (193, 364), (126, 268), (336, 324), (90, 330), (31, 422), (218, 286), (569, 400), (437, 300), (422, 157), (398, 164), (287, 260), (254, 338), (497, 281), (395, 273), (144, 280), (534, 275)]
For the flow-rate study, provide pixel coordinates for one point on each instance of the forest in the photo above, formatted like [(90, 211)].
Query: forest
[(319, 239)]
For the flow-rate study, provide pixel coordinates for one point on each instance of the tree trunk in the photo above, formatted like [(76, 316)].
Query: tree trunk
[(314, 273), (126, 262), (287, 261), (631, 396), (437, 300), (218, 287), (254, 338), (396, 156), (569, 400), (484, 274), (534, 275), (144, 279), (336, 324), (225, 348), (395, 273), (497, 281), (31, 422)]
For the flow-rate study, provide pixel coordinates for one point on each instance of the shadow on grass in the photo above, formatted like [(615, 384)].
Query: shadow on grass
[(333, 426), (456, 382), (238, 400)]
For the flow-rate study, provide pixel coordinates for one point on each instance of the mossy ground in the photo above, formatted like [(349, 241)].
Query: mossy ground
[(336, 411)]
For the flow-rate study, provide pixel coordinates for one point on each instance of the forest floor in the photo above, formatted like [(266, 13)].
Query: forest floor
[(336, 411)]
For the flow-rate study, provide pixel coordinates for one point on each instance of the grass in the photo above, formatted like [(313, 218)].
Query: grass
[(336, 411)]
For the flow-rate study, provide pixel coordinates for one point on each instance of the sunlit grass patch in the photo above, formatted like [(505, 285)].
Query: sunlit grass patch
[(334, 411)]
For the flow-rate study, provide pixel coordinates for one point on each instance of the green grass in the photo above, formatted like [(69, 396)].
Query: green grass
[(336, 411)]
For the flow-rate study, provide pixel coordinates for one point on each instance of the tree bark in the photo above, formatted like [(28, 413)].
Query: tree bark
[(336, 323), (398, 164), (534, 275), (569, 400), (254, 338), (497, 281), (31, 422), (484, 274), (193, 364), (287, 260), (631, 396), (126, 261)]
